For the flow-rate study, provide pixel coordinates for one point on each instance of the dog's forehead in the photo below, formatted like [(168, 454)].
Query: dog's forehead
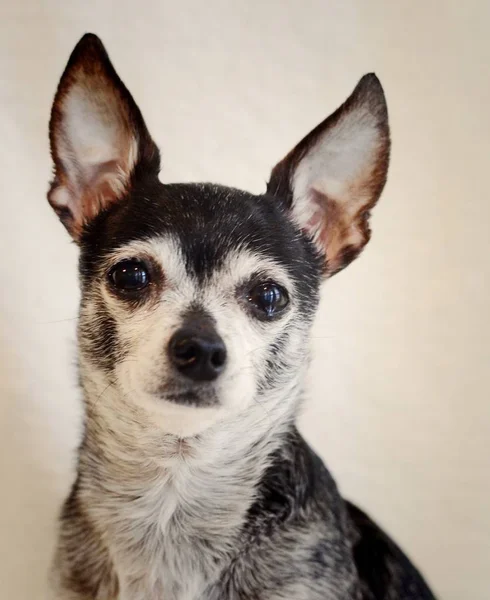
[(210, 226)]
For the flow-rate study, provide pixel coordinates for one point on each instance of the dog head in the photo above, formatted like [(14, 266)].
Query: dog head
[(197, 300)]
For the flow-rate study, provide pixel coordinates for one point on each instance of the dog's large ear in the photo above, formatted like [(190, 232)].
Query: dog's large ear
[(98, 138), (334, 176)]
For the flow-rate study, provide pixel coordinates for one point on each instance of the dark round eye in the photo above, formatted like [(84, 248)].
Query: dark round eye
[(270, 298), (129, 275)]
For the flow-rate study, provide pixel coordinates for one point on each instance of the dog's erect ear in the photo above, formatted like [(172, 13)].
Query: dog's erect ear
[(98, 137), (335, 175)]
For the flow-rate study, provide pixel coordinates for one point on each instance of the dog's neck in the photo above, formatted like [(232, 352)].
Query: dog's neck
[(132, 452)]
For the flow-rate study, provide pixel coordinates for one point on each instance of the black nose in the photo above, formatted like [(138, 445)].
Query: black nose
[(199, 355)]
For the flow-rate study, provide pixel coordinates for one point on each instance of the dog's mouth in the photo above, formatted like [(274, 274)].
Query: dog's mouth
[(202, 396)]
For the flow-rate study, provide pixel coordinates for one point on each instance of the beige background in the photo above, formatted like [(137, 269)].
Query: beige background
[(399, 387)]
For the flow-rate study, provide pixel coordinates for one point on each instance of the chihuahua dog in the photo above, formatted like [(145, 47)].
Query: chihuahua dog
[(193, 482)]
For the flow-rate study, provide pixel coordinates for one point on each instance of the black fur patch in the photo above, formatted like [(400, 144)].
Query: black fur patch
[(385, 572), (100, 339), (294, 478)]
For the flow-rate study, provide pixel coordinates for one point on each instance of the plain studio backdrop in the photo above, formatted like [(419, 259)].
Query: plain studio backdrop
[(399, 396)]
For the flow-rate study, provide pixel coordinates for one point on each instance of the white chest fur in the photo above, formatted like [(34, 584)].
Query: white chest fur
[(171, 516)]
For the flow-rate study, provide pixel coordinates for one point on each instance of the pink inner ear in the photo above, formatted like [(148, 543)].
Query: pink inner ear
[(79, 199), (105, 186), (334, 232), (325, 223)]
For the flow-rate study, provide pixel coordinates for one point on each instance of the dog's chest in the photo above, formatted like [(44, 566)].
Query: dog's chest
[(171, 539), (167, 565)]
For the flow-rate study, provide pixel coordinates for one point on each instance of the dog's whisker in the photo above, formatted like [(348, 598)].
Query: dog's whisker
[(71, 319), (109, 385)]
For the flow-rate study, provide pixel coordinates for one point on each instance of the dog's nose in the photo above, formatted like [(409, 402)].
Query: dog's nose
[(198, 355)]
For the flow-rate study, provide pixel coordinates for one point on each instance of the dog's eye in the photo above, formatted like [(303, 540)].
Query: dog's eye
[(269, 298), (129, 275)]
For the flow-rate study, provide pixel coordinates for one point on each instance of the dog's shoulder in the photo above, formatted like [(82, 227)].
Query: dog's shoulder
[(82, 562), (384, 570), (297, 532), (321, 540), (295, 480)]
